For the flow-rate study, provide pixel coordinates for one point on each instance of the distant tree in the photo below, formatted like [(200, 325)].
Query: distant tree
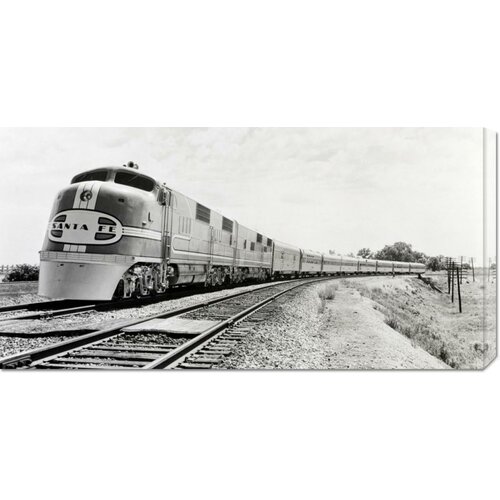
[(350, 255), (402, 252), (22, 272), (365, 253), (331, 252), (493, 265), (435, 263), (420, 257)]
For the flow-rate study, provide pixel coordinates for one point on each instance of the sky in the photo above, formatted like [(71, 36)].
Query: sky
[(324, 189)]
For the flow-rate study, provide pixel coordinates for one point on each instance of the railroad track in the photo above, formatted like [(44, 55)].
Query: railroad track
[(228, 318), (56, 308)]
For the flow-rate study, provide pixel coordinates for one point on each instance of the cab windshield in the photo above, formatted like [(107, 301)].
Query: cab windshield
[(94, 175), (135, 180)]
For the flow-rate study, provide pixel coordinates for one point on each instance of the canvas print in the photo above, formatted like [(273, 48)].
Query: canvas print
[(248, 248)]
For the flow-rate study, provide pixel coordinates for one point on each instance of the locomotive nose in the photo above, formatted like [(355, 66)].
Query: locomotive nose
[(96, 230)]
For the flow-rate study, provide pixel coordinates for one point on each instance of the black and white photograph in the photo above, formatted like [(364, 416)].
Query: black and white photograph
[(249, 248)]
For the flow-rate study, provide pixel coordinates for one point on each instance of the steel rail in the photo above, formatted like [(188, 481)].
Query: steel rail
[(53, 314), (38, 305)]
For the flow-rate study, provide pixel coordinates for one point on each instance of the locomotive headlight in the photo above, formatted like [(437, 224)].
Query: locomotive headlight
[(133, 165), (86, 195)]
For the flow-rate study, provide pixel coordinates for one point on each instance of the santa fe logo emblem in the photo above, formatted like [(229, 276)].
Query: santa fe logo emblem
[(85, 227)]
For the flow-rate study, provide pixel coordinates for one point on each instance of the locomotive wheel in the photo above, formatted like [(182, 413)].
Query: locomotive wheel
[(212, 280), (137, 290), (219, 279)]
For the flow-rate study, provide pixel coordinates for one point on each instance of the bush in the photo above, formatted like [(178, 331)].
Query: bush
[(22, 272), (328, 292)]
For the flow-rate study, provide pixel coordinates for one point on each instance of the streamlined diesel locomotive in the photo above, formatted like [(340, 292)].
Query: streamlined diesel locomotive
[(115, 232)]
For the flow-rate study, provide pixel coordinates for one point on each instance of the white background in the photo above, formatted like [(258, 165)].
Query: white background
[(249, 435)]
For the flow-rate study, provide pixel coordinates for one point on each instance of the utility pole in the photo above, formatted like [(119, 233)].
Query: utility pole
[(452, 282), (448, 268), (472, 265), (458, 290)]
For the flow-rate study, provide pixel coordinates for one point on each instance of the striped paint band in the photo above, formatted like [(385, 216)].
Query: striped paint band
[(94, 258), (141, 233), (134, 232), (85, 204)]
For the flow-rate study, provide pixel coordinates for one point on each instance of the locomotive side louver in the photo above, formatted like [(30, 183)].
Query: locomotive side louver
[(202, 213), (227, 225)]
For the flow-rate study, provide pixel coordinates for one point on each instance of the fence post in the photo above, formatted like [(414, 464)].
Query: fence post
[(459, 296), (472, 265)]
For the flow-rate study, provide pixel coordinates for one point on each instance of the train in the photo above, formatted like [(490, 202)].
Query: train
[(115, 232)]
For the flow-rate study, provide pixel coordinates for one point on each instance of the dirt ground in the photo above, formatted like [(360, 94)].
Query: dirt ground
[(430, 320), (361, 339)]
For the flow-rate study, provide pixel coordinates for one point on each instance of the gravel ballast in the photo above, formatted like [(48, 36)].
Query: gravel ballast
[(292, 338), (50, 330)]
